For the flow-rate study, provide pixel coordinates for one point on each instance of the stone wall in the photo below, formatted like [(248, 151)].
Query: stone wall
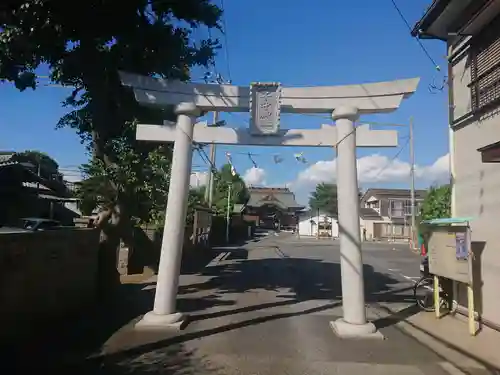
[(143, 256), (44, 275)]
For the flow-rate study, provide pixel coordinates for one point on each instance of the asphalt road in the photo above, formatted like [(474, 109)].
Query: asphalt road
[(265, 308), (388, 267), (392, 258)]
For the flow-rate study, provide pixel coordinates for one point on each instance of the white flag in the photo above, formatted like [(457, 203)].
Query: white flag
[(230, 161), (300, 158), (277, 159)]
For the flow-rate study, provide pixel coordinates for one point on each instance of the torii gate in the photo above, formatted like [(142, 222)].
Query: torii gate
[(265, 102)]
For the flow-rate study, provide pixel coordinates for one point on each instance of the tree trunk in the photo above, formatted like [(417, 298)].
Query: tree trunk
[(103, 86), (109, 246), (109, 223)]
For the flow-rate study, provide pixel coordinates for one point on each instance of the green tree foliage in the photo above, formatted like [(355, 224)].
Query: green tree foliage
[(195, 199), (324, 198), (84, 44), (239, 191), (140, 181), (437, 203), (42, 161)]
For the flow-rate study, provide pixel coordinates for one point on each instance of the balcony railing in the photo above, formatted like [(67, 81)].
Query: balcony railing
[(402, 209)]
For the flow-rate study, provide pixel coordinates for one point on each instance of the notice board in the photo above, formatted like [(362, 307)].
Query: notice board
[(449, 249)]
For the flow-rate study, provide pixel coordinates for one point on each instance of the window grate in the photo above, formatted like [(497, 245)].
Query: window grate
[(485, 68)]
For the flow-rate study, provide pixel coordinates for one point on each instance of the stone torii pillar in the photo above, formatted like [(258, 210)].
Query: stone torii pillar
[(353, 323), (164, 312), (347, 103)]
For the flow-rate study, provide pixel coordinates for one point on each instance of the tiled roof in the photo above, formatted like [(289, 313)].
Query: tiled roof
[(36, 185), (283, 198), (5, 159), (256, 189), (56, 198), (28, 178), (366, 212), (313, 213), (7, 163)]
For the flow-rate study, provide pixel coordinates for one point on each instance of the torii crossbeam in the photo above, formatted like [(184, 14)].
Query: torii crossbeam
[(326, 136), (265, 102)]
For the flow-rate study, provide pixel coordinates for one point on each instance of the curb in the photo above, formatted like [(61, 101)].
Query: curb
[(447, 351), (457, 360), (219, 258)]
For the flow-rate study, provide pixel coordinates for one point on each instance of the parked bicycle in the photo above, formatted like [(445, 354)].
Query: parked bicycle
[(423, 291)]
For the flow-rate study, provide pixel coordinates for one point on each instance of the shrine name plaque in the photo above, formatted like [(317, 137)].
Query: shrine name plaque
[(265, 108)]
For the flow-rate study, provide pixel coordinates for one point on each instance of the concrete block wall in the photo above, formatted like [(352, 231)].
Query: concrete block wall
[(44, 275), (144, 256)]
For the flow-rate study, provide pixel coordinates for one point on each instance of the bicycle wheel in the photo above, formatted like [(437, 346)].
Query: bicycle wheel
[(423, 291)]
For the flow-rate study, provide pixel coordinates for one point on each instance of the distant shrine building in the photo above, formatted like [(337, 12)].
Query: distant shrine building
[(272, 208)]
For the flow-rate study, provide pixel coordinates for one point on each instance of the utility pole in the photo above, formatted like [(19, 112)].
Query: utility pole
[(209, 191), (412, 181), (228, 214), (39, 173), (317, 225)]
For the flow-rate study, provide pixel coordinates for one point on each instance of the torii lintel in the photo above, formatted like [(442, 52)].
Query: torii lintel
[(378, 97)]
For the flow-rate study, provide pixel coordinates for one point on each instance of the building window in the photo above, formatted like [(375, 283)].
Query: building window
[(407, 208), (490, 153), (398, 230), (396, 208), (485, 68), (372, 204)]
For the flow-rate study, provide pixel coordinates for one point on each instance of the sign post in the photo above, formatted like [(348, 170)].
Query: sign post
[(451, 257), (228, 214)]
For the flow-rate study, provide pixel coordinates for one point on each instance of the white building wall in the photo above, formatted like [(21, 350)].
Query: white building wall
[(308, 229), (476, 187), (305, 227)]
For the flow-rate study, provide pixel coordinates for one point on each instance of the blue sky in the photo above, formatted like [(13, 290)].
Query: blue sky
[(297, 43)]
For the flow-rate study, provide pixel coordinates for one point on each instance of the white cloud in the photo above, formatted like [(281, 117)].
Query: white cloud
[(438, 172), (376, 168), (198, 179), (255, 176)]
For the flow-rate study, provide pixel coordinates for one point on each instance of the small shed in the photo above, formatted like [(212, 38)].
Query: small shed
[(312, 221)]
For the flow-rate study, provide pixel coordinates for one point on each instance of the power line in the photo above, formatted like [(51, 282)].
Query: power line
[(393, 158), (205, 158), (438, 68), (226, 49)]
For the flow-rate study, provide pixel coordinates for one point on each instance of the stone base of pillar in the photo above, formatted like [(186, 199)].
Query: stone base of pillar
[(346, 330), (153, 321)]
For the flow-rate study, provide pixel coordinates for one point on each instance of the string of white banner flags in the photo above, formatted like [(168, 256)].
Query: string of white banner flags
[(278, 159), (230, 162)]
